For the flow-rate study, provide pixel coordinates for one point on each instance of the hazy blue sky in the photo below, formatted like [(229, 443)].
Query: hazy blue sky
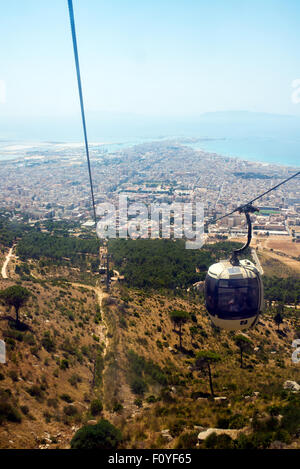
[(150, 57)]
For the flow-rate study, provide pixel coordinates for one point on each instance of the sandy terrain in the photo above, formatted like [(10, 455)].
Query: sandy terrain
[(279, 243)]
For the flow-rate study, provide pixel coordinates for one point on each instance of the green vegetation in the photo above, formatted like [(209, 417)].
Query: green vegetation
[(96, 407), (61, 335), (9, 413), (203, 362), (214, 441), (179, 318), (142, 371), (10, 231), (48, 342), (286, 290), (267, 432), (66, 398), (244, 345), (251, 175), (164, 263), (138, 386), (15, 296), (8, 409), (36, 245), (101, 436), (278, 320)]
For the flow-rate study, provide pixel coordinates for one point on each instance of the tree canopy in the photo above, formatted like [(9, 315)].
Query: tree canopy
[(206, 357), (103, 435), (37, 245), (179, 318), (203, 362), (164, 263), (15, 296), (278, 319), (244, 344)]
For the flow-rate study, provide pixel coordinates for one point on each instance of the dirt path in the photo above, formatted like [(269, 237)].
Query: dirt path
[(100, 329), (7, 259)]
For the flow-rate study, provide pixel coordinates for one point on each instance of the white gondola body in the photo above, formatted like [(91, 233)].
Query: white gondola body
[(234, 295)]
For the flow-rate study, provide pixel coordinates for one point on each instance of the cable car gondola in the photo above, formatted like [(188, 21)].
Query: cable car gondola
[(234, 289)]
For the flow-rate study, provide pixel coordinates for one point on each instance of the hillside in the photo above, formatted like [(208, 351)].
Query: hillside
[(47, 381), (81, 354)]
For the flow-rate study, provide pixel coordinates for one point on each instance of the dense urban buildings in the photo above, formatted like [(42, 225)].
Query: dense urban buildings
[(51, 181)]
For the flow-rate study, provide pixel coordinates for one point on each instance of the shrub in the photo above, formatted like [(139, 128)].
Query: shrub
[(66, 398), (64, 364), (138, 402), (234, 421), (291, 418), (117, 407), (138, 386), (36, 391), (35, 351), (151, 399), (187, 440), (283, 435), (177, 427), (123, 323), (25, 409), (96, 407), (166, 396), (70, 410), (47, 416), (159, 344), (29, 339), (13, 375), (101, 436), (70, 316), (48, 342), (75, 379), (10, 344), (214, 441), (52, 402), (262, 440), (68, 346), (196, 394), (139, 365), (244, 442), (9, 413)]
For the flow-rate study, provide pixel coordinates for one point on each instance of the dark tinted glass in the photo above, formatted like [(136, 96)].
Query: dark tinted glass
[(210, 293), (238, 297), (232, 298)]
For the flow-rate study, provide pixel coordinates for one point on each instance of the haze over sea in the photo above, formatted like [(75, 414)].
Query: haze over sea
[(252, 136)]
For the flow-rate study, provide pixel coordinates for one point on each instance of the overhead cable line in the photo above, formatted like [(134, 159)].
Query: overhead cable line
[(241, 207), (74, 39)]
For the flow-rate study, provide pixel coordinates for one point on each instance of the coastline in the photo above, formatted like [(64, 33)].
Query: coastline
[(18, 151)]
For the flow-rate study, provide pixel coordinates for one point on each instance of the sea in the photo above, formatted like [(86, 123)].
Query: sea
[(267, 150), (258, 137)]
